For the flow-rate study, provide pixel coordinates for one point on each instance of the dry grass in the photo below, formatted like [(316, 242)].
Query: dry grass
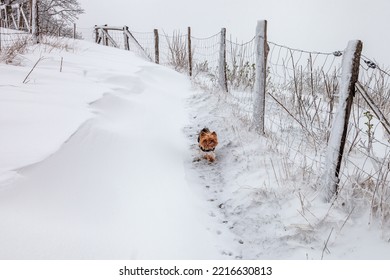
[(9, 53), (178, 54)]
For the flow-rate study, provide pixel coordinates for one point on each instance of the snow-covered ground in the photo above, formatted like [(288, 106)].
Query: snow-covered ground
[(97, 162)]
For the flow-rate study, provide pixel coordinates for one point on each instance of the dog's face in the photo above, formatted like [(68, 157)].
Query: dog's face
[(207, 140)]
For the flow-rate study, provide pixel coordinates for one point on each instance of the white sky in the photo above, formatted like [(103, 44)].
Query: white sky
[(314, 25)]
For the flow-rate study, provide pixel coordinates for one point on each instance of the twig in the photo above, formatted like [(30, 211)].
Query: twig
[(303, 216), (349, 215), (326, 245), (273, 167), (62, 59), (32, 69), (288, 112)]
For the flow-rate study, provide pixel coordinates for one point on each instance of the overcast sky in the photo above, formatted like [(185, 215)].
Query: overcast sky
[(314, 25)]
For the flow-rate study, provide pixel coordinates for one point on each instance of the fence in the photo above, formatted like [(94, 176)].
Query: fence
[(290, 95), (23, 16), (16, 16), (302, 90)]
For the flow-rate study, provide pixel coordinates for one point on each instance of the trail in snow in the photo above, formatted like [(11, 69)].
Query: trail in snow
[(253, 197), (108, 146), (238, 187), (117, 188)]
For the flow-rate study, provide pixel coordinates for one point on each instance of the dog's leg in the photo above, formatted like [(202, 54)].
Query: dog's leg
[(210, 157)]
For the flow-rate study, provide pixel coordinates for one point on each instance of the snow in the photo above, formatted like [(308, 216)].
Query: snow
[(98, 152), (98, 163)]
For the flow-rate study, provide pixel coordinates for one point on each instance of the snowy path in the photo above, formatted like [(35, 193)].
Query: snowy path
[(97, 163), (117, 189)]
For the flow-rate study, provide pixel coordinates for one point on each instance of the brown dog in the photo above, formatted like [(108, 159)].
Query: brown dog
[(207, 142)]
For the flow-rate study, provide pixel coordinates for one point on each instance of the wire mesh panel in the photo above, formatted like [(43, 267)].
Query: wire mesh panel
[(305, 84), (12, 43), (366, 176), (116, 38), (240, 75), (146, 40), (376, 80), (174, 51), (205, 60), (205, 54)]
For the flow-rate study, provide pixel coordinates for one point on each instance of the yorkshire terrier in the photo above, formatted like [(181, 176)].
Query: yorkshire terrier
[(207, 142)]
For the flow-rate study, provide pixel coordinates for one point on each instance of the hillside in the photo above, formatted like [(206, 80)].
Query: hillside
[(98, 152)]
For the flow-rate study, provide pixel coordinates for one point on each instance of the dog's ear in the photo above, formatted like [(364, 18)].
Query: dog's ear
[(202, 133), (214, 134)]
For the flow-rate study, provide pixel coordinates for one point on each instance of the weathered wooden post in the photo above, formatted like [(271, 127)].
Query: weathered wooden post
[(97, 40), (11, 13), (8, 15), (74, 31), (189, 52), (30, 7), (26, 21), (156, 47), (222, 62), (19, 21), (105, 37), (261, 76), (35, 22), (338, 134), (126, 37)]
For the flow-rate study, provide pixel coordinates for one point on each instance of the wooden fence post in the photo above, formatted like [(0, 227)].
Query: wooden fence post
[(35, 22), (338, 134), (97, 40), (105, 37), (9, 17), (30, 8), (260, 76), (156, 47), (26, 21), (222, 62), (126, 38), (189, 52), (74, 31)]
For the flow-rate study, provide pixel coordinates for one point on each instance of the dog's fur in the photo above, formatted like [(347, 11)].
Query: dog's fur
[(207, 142)]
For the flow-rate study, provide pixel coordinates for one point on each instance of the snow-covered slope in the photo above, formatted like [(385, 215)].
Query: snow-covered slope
[(97, 162), (112, 181)]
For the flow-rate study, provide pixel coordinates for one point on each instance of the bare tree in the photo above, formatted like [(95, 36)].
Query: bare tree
[(57, 16)]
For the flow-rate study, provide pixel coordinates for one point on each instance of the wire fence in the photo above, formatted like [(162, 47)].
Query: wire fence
[(12, 44), (9, 37), (302, 93), (302, 88)]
